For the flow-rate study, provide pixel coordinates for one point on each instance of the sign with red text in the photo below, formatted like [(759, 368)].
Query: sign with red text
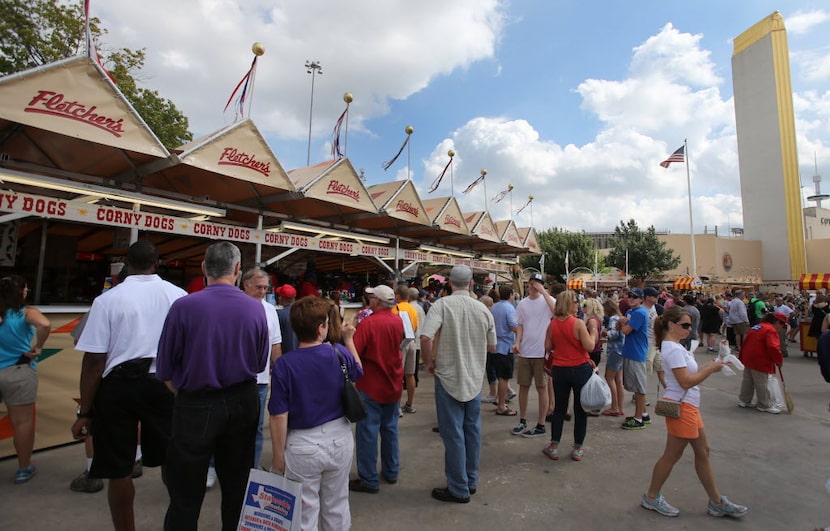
[(272, 502), (62, 209), (74, 98)]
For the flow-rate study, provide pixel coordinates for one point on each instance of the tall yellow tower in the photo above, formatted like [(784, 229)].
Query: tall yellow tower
[(767, 155)]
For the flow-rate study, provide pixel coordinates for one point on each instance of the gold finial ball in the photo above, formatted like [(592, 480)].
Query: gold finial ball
[(530, 197), (258, 48), (451, 153), (484, 172), (409, 129), (509, 186), (348, 97)]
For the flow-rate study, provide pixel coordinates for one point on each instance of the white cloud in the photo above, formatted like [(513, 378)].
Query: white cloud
[(377, 51), (670, 94), (802, 22)]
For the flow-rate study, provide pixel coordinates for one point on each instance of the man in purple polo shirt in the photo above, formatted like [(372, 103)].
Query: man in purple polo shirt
[(213, 344)]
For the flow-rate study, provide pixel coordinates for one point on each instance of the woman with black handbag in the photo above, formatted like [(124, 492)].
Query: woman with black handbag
[(311, 437), (682, 379)]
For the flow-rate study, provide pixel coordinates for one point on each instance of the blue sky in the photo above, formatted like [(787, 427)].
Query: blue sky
[(573, 102)]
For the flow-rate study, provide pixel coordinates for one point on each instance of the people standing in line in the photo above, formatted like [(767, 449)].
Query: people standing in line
[(594, 313), (365, 311), (311, 438), (410, 364), (501, 361), (533, 315), (761, 355), (119, 388), (422, 316), (286, 294), (635, 350), (213, 344), (710, 324), (378, 344), (467, 332), (614, 360), (569, 340), (489, 300), (683, 378), (739, 317), (18, 363), (255, 283), (653, 363)]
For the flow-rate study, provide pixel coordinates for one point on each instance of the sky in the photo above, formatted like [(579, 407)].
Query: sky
[(575, 103)]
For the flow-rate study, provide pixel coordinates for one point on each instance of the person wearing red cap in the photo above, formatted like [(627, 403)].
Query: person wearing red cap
[(761, 354), (286, 294)]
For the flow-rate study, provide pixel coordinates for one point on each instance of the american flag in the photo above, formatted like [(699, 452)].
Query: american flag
[(677, 156)]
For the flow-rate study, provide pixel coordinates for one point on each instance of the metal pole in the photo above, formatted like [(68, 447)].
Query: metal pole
[(258, 252), (134, 229), (313, 68), (39, 278), (691, 223)]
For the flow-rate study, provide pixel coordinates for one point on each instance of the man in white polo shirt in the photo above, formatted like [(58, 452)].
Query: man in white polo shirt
[(119, 388)]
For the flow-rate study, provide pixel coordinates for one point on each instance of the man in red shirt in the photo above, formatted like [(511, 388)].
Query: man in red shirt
[(378, 342), (761, 354)]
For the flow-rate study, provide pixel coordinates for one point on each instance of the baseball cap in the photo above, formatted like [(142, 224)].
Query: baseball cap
[(650, 292), (537, 277), (286, 291), (780, 316), (383, 293), (636, 292)]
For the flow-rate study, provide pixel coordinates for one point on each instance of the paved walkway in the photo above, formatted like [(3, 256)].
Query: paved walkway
[(775, 464)]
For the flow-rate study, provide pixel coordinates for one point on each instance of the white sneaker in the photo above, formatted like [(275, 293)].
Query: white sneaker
[(774, 410), (211, 477), (489, 399), (741, 403)]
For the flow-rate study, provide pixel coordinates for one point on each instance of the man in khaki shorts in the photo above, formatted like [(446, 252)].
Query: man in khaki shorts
[(533, 315)]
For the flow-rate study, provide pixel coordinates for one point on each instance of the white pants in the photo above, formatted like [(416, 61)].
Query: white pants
[(321, 458)]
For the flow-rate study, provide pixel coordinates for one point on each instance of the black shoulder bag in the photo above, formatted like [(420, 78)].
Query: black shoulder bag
[(353, 404)]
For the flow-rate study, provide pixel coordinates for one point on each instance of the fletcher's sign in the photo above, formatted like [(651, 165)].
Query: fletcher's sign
[(233, 157), (57, 104)]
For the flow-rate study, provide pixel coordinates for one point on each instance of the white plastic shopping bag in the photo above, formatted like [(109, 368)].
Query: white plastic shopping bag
[(272, 502), (776, 394), (595, 393)]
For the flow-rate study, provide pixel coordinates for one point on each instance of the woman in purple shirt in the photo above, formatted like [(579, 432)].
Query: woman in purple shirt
[(312, 440)]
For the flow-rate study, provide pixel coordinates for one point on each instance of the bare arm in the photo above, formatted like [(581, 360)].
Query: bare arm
[(687, 380), (519, 330), (92, 370), (427, 354), (276, 352), (279, 431), (348, 341), (42, 329), (587, 335)]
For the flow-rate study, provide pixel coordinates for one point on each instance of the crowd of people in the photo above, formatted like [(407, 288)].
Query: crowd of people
[(184, 381)]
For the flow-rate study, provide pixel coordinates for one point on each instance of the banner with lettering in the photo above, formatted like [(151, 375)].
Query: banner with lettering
[(400, 200), (61, 209), (445, 213), (73, 98), (238, 151)]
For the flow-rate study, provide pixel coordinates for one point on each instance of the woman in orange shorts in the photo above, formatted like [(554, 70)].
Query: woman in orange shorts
[(682, 378)]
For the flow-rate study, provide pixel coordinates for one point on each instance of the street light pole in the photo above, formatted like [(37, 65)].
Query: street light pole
[(313, 68)]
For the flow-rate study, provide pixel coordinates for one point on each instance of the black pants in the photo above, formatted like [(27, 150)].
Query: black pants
[(218, 422)]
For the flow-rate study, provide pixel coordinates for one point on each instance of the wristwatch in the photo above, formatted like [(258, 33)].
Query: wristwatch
[(80, 415)]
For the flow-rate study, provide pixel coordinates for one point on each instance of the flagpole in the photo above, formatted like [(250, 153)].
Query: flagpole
[(691, 222), (259, 49), (409, 130), (484, 183), (531, 211), (511, 202), (626, 269), (348, 98), (451, 153)]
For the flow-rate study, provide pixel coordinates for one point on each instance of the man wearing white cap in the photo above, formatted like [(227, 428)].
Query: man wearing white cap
[(467, 333)]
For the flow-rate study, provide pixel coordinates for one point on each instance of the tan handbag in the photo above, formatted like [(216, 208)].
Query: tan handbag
[(666, 407)]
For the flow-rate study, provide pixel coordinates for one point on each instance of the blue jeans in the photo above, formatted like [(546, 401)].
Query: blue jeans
[(565, 380), (381, 419), (262, 389), (460, 428)]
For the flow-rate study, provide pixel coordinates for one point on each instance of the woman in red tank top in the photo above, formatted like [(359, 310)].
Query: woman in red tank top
[(570, 339)]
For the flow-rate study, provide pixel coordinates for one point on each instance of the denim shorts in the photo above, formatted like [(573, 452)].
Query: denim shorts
[(614, 361)]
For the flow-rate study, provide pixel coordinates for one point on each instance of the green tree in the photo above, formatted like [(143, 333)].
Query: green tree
[(647, 256), (554, 243), (36, 32)]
